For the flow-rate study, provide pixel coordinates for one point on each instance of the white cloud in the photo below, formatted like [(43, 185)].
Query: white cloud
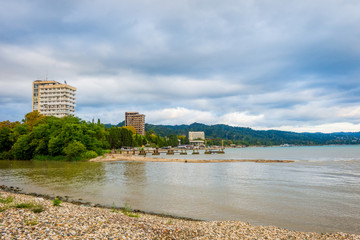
[(241, 119), (179, 115), (324, 128)]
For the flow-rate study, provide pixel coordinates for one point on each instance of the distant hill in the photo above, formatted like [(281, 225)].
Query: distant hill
[(248, 136)]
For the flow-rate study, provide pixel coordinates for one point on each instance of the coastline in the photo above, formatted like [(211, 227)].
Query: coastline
[(137, 158), (94, 222)]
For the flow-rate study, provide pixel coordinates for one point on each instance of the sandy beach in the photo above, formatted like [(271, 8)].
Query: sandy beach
[(73, 221), (148, 158)]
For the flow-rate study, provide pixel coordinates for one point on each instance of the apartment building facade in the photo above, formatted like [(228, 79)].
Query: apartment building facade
[(137, 121), (51, 98)]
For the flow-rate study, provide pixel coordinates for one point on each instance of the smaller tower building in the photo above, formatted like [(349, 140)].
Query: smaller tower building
[(137, 121)]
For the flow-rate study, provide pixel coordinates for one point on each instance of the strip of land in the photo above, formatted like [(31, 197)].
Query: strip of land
[(137, 158), (19, 220)]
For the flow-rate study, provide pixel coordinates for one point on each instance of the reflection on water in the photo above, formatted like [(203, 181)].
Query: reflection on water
[(48, 177), (310, 194)]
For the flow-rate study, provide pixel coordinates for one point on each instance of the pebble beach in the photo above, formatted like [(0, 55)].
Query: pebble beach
[(43, 220)]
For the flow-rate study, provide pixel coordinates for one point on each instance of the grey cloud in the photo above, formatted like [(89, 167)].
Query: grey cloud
[(279, 60)]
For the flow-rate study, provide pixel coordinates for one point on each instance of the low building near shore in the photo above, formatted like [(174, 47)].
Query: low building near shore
[(197, 138)]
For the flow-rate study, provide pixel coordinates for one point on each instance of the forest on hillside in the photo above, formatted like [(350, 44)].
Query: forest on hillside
[(248, 136)]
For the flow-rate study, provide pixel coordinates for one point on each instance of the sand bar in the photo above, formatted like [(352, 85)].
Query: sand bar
[(137, 158)]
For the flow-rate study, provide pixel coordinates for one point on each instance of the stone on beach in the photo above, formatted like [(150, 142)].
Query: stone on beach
[(82, 222)]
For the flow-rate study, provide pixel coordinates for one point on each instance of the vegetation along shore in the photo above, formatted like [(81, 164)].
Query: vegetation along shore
[(33, 217), (41, 137)]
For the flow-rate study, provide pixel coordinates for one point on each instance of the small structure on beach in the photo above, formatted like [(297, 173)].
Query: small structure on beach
[(197, 138)]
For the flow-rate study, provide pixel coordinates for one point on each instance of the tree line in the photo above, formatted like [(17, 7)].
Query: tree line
[(47, 137), (249, 137)]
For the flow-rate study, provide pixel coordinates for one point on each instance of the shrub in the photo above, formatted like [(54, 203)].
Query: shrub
[(57, 202), (5, 156), (89, 155), (74, 150)]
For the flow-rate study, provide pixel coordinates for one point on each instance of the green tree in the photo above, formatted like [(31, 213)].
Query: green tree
[(173, 140), (32, 118), (22, 149), (115, 137), (74, 150), (5, 139), (127, 139)]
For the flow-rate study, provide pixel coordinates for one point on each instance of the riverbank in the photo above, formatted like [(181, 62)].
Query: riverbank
[(137, 158), (84, 222)]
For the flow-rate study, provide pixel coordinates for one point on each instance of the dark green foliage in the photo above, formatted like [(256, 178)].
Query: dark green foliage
[(5, 139), (173, 140), (248, 136), (52, 138), (5, 156), (22, 149), (74, 150), (120, 137), (25, 205), (89, 154), (57, 202)]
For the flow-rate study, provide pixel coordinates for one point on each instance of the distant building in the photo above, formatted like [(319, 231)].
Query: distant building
[(137, 121), (51, 98), (196, 138)]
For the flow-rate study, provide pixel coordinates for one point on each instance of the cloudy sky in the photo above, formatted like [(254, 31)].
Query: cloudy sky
[(287, 65)]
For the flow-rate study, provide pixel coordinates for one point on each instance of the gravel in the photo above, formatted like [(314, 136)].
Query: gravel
[(71, 221)]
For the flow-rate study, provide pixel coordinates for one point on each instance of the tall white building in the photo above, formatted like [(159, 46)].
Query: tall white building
[(51, 98)]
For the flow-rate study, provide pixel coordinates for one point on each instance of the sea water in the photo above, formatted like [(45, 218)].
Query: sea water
[(320, 191)]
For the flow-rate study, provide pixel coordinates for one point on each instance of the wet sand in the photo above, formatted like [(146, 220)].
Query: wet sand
[(137, 158)]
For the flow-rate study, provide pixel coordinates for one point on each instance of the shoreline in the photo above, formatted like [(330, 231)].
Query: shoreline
[(136, 158), (96, 222)]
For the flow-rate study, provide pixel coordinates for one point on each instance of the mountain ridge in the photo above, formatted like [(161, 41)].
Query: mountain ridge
[(248, 136)]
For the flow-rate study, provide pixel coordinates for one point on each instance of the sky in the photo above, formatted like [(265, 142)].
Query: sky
[(280, 64)]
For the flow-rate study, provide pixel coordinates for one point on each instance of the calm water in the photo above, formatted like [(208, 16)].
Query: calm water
[(319, 192)]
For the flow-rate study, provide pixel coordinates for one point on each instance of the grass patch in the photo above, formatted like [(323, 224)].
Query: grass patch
[(31, 222), (113, 209), (6, 200), (36, 208), (57, 202), (25, 205), (127, 210)]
